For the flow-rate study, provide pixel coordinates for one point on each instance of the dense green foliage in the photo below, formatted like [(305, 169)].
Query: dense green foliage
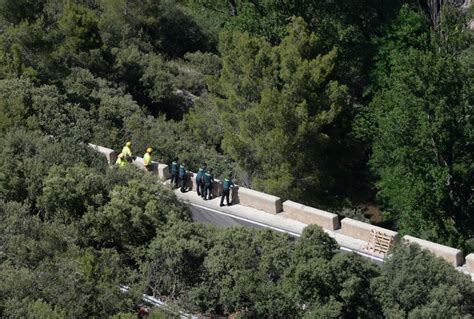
[(414, 285), (420, 127), (329, 103), (65, 217), (278, 108), (87, 229)]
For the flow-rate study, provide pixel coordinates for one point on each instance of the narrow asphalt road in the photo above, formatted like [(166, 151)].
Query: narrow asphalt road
[(210, 216), (207, 216)]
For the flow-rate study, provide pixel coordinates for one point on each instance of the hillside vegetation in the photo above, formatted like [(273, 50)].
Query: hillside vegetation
[(334, 104)]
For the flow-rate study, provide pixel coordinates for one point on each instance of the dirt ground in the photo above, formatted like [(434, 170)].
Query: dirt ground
[(373, 212)]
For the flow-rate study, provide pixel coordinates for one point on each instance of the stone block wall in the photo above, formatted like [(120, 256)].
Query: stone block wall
[(470, 262), (451, 255), (109, 154), (360, 230), (305, 214), (309, 215), (268, 203)]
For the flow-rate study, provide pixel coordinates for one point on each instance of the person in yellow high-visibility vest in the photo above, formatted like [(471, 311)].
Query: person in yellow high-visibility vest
[(147, 159), (127, 152), (121, 161)]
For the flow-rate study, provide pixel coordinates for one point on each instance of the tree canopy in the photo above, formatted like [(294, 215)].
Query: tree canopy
[(339, 105)]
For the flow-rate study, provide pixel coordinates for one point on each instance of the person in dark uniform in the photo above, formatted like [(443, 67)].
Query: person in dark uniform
[(199, 184), (182, 175), (226, 186), (174, 173), (207, 179)]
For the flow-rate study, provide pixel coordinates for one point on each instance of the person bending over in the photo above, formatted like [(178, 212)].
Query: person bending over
[(226, 186)]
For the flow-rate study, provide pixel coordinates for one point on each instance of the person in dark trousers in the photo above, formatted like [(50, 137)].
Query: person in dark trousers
[(199, 179), (226, 186), (174, 173), (182, 175), (207, 179)]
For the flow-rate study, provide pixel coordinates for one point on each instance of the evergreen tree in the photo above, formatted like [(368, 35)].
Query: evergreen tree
[(278, 105), (415, 284), (420, 125)]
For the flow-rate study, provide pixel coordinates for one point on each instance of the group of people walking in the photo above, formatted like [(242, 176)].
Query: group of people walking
[(178, 171)]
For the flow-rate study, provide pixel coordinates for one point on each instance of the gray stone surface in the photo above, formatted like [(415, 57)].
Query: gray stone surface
[(360, 230), (256, 206), (310, 215), (275, 221), (138, 162), (161, 170), (451, 255), (245, 212), (470, 262), (109, 154), (267, 203), (164, 172), (192, 185)]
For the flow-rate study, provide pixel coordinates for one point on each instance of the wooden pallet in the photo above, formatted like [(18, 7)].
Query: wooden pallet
[(379, 242)]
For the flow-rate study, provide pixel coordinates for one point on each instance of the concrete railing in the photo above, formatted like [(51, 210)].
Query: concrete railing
[(360, 230), (191, 181), (192, 184), (138, 162), (268, 203), (156, 168), (217, 188), (305, 214), (470, 262), (310, 215), (192, 177), (110, 154), (163, 171), (451, 255)]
